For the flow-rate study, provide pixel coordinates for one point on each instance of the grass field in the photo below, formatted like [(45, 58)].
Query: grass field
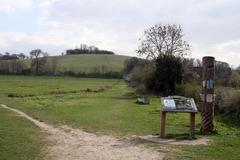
[(19, 139), (87, 63), (108, 107), (66, 100)]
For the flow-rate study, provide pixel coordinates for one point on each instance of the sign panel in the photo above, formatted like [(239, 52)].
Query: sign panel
[(210, 98), (178, 104), (169, 103), (210, 84)]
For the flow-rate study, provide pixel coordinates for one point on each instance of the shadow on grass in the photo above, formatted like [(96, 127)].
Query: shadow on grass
[(157, 111), (229, 119), (187, 136), (182, 136)]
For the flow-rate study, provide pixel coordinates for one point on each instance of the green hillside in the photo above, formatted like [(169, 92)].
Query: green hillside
[(82, 65), (88, 63)]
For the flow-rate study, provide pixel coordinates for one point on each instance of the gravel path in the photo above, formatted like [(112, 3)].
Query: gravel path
[(75, 144)]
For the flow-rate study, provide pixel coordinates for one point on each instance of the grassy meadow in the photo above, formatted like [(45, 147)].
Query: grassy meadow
[(107, 106), (86, 63), (96, 105), (19, 138)]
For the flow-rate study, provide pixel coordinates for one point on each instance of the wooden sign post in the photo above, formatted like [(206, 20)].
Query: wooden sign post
[(207, 96), (177, 104)]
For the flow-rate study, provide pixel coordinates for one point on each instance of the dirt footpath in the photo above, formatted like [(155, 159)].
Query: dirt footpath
[(75, 144)]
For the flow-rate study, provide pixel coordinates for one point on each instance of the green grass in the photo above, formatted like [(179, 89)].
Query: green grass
[(112, 111), (109, 108), (87, 63), (224, 145), (19, 139)]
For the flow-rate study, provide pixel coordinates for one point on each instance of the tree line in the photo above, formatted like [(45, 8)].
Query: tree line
[(39, 63), (16, 64), (9, 56), (85, 49)]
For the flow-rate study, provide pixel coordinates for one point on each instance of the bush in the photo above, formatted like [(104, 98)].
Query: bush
[(158, 76), (228, 101), (26, 71), (109, 74), (130, 64), (235, 80), (190, 90), (169, 72), (141, 77)]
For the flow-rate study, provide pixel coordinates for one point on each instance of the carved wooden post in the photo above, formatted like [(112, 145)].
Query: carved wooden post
[(207, 95), (162, 126)]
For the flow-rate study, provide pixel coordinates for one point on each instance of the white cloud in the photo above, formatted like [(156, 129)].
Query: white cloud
[(227, 52), (12, 5), (211, 27), (16, 42)]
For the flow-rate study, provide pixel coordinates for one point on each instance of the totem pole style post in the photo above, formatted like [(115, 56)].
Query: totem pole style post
[(207, 114)]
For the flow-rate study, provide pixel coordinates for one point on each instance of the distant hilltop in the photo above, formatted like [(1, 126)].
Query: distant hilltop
[(85, 49)]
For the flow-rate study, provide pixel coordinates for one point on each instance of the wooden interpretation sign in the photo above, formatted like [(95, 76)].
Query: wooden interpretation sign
[(178, 104)]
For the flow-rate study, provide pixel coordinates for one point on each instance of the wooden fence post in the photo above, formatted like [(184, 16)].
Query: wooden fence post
[(163, 122)]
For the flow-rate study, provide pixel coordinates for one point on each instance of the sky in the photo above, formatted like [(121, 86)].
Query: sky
[(212, 27)]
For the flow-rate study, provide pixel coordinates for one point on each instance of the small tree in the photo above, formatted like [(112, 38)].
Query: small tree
[(164, 46), (21, 56), (163, 40), (169, 72), (129, 65), (38, 60)]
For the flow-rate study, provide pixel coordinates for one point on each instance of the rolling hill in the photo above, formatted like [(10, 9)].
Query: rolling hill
[(82, 65), (88, 63)]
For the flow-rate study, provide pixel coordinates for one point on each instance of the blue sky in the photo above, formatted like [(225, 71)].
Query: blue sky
[(210, 26), (20, 21)]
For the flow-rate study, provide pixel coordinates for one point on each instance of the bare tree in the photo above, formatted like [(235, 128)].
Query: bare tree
[(163, 40), (38, 58), (21, 56)]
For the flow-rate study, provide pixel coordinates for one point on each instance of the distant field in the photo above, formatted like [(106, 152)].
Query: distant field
[(105, 106), (88, 63)]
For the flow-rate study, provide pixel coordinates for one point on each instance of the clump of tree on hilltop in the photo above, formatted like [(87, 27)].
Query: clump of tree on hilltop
[(84, 49)]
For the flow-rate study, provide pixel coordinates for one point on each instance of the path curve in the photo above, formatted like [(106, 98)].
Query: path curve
[(75, 144)]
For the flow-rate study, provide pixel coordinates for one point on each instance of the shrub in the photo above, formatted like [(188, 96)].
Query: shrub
[(141, 77), (169, 71), (228, 101), (26, 71), (130, 64), (191, 90), (235, 80)]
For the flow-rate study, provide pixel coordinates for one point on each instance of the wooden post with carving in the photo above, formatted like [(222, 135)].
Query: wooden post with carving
[(162, 124), (207, 112)]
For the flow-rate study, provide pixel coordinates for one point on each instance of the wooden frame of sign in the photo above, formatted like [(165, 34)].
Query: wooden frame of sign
[(177, 104)]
